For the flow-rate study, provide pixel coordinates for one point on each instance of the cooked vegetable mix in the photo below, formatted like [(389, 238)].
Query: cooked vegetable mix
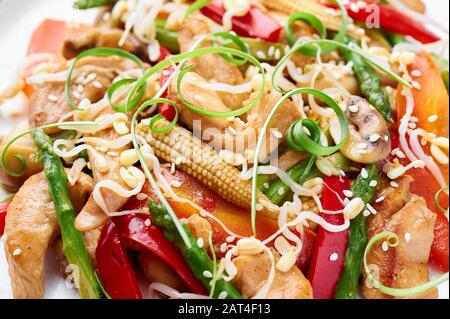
[(231, 149)]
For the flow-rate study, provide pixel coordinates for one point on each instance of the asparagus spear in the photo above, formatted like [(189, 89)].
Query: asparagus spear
[(87, 4), (195, 256), (369, 82), (357, 241), (73, 244), (300, 173)]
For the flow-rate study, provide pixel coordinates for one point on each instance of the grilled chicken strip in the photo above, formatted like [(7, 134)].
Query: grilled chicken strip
[(103, 37), (253, 272), (92, 77), (211, 67), (404, 266), (92, 216), (30, 227)]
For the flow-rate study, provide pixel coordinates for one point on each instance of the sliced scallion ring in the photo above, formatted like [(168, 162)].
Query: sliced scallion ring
[(115, 86), (436, 199), (158, 117)]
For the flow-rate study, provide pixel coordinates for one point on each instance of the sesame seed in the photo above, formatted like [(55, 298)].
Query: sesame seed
[(361, 146), (147, 222), (394, 184), (222, 295), (260, 55), (52, 98), (366, 213), (364, 173), (97, 84), (416, 73), (416, 85), (207, 274), (200, 242), (374, 137), (353, 108), (379, 199), (407, 237), (271, 50), (277, 134), (385, 246), (141, 196), (334, 257), (386, 138), (230, 239), (277, 54), (175, 184), (17, 252), (266, 185), (432, 118), (371, 209), (280, 191), (348, 193), (223, 248), (373, 183)]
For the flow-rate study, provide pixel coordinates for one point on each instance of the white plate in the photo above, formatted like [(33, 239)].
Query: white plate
[(18, 18)]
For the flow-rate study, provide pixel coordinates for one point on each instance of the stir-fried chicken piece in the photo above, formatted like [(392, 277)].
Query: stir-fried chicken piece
[(192, 91), (253, 272), (233, 134), (103, 38), (92, 216), (211, 67), (404, 266), (92, 77), (30, 227), (157, 270)]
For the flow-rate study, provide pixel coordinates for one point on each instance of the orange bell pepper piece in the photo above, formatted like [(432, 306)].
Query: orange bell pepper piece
[(431, 99)]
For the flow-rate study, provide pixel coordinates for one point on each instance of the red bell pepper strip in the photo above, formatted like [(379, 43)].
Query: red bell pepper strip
[(390, 19), (325, 272), (165, 109), (439, 249), (255, 24), (3, 210), (163, 53), (309, 240), (133, 228), (114, 268)]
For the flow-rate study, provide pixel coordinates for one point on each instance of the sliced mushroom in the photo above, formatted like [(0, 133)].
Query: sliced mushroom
[(368, 140)]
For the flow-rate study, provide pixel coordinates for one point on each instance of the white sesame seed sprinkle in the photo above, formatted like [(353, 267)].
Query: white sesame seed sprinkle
[(407, 237), (394, 184), (200, 242), (17, 252), (353, 108), (334, 257), (366, 213), (222, 295), (52, 98), (432, 118), (373, 183), (416, 85), (374, 137), (223, 247), (385, 246), (364, 173), (207, 274), (379, 199), (147, 222), (230, 239), (416, 73), (348, 193), (141, 196)]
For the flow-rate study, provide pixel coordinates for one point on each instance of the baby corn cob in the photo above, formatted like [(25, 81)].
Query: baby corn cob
[(201, 161), (289, 7)]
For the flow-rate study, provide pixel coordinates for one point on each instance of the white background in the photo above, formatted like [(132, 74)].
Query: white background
[(18, 18)]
